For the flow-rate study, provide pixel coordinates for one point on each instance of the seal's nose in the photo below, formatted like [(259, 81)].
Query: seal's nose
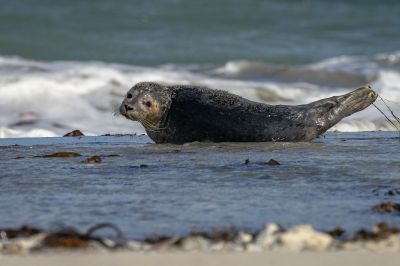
[(128, 108), (124, 108)]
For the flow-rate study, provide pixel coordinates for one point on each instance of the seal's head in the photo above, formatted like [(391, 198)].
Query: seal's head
[(146, 102)]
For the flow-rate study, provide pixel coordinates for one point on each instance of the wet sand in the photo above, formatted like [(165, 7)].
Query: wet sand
[(195, 259)]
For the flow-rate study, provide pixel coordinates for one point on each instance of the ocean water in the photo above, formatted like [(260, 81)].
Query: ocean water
[(66, 65), (153, 189)]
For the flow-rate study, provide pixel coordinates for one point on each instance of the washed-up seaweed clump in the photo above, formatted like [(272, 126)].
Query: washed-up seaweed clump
[(271, 237), (387, 206), (224, 235), (72, 238), (381, 231), (35, 239)]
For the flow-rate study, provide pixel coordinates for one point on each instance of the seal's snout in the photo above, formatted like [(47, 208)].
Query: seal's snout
[(127, 107), (124, 109)]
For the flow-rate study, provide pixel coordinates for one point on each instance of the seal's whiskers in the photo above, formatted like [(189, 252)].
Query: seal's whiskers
[(393, 102), (115, 112), (150, 126), (387, 118), (390, 110)]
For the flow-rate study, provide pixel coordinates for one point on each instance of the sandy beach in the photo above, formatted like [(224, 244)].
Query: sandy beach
[(197, 259)]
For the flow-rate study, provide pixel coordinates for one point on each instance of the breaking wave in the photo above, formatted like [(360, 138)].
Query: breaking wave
[(40, 99)]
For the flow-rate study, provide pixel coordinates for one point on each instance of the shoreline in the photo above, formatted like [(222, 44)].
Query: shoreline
[(301, 238), (205, 258)]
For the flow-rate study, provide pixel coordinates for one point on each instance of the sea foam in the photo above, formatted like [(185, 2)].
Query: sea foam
[(42, 99)]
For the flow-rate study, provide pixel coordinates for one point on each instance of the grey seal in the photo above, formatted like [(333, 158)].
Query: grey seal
[(180, 114)]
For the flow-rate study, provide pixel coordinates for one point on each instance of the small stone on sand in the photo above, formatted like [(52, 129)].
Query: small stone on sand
[(93, 159), (273, 162), (74, 133)]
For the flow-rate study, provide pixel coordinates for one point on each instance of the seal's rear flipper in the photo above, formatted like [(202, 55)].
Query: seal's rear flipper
[(328, 112)]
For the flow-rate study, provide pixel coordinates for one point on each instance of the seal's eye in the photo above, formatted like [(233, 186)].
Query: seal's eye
[(147, 103), (129, 95)]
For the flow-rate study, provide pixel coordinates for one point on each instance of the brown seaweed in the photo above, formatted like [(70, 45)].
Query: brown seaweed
[(63, 154), (383, 231), (387, 206), (93, 159)]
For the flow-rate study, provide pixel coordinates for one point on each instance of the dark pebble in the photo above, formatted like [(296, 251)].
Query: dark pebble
[(393, 192), (111, 155), (93, 159), (336, 233), (387, 207), (273, 162), (75, 133)]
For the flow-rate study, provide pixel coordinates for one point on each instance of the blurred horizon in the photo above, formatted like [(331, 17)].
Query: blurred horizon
[(192, 32)]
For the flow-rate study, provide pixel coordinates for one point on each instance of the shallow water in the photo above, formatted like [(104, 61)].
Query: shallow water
[(171, 189)]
